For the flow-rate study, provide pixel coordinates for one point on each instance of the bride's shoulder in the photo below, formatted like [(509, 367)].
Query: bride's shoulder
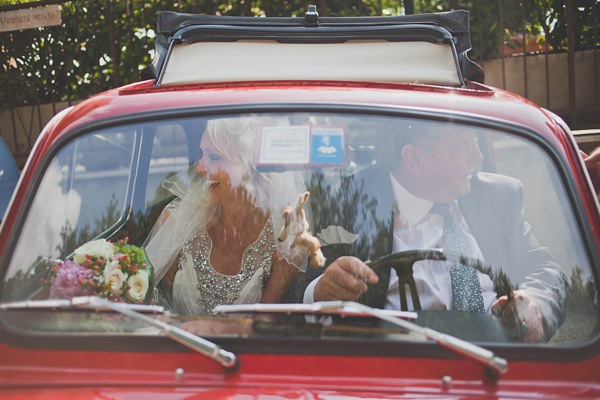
[(170, 209), (173, 205)]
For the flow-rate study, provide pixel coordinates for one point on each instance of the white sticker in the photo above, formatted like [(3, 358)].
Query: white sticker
[(285, 145)]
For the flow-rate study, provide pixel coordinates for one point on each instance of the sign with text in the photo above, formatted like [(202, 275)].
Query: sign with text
[(30, 18), (284, 145), (300, 145)]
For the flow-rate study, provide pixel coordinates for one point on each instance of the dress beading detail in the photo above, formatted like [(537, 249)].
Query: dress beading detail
[(215, 288)]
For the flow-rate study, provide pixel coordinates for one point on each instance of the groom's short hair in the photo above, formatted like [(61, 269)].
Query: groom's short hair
[(391, 137)]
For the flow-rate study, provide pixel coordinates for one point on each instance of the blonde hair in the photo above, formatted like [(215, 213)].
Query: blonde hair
[(235, 139)]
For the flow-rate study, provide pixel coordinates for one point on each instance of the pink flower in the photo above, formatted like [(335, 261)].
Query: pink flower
[(118, 256), (65, 285)]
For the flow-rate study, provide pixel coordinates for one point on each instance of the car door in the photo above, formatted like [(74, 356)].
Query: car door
[(9, 174)]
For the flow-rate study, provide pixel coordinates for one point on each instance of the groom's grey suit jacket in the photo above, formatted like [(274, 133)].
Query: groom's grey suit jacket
[(494, 211)]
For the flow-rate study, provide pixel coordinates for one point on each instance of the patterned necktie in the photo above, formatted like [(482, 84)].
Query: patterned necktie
[(466, 289)]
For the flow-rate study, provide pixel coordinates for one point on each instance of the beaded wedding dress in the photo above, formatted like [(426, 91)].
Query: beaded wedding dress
[(180, 237), (198, 288)]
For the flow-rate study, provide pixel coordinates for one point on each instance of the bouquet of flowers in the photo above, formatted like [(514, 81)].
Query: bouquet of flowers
[(115, 271)]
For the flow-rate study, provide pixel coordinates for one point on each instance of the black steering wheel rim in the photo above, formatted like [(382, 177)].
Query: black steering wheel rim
[(402, 262)]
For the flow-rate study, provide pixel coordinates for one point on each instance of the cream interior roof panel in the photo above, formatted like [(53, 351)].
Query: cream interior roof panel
[(373, 61)]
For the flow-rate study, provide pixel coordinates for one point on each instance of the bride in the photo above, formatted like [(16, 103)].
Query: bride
[(214, 243)]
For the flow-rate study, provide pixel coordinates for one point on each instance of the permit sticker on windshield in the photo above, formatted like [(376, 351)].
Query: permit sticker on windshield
[(327, 145), (284, 145), (300, 145)]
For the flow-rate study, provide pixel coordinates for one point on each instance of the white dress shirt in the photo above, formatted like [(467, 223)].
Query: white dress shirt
[(416, 228)]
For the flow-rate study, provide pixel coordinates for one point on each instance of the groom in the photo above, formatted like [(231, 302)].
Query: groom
[(425, 194)]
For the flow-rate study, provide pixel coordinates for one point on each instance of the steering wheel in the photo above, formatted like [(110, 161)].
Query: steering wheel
[(402, 262), (468, 326)]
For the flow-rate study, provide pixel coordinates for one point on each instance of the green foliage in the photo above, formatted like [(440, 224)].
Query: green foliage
[(73, 238), (585, 21), (14, 2), (103, 44), (583, 297)]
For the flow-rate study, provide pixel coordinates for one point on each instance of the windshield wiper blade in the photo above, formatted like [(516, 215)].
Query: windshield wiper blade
[(496, 365), (227, 359), (323, 307), (78, 303)]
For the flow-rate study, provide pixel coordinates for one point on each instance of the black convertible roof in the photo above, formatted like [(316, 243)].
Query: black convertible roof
[(447, 27)]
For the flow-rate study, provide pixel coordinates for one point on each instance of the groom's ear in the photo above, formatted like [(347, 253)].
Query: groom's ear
[(411, 157)]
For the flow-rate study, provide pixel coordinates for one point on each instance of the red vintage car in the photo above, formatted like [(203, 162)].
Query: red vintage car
[(262, 217)]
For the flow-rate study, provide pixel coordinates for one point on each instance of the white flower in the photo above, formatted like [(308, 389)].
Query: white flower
[(96, 248), (115, 276), (138, 286)]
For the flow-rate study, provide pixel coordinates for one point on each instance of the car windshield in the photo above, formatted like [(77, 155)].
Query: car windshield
[(471, 226)]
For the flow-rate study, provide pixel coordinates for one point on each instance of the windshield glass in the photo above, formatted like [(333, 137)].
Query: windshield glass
[(470, 227)]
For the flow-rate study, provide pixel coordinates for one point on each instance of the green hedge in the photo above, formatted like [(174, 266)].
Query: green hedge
[(103, 44)]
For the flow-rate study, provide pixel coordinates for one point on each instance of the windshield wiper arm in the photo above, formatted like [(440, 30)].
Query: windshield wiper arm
[(496, 365), (487, 358), (229, 361)]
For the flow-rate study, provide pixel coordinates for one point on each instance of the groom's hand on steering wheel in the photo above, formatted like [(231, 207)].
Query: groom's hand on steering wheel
[(344, 280)]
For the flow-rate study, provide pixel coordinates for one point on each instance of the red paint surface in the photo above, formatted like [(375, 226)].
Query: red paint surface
[(29, 373), (83, 373)]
